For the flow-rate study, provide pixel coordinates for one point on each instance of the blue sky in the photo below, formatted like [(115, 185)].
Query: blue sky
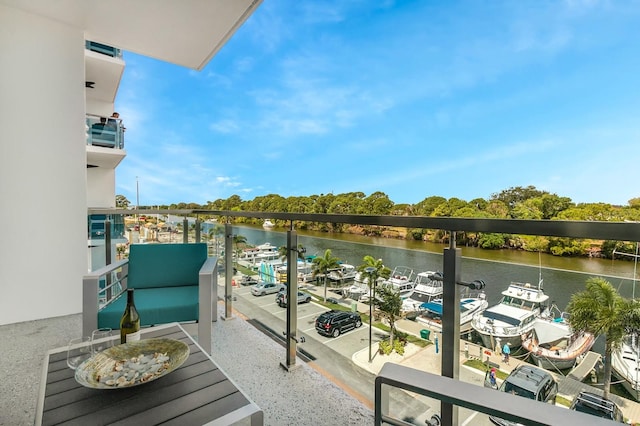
[(412, 98)]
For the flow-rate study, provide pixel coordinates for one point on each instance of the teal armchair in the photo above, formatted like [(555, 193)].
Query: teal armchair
[(172, 282)]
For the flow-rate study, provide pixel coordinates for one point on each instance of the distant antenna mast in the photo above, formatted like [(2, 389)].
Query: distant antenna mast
[(635, 267)]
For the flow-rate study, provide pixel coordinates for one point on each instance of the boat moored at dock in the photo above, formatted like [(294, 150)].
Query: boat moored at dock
[(505, 322)]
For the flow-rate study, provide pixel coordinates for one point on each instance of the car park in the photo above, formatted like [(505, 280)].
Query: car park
[(591, 403), (529, 382), (333, 323), (263, 288), (281, 298)]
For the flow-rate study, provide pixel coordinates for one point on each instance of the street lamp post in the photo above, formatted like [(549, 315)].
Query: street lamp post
[(370, 270)]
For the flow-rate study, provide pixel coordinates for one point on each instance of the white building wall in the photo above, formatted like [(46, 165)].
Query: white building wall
[(43, 252), (101, 187)]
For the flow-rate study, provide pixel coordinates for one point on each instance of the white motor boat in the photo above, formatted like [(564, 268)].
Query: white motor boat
[(428, 287), (625, 365), (267, 224), (553, 345), (343, 274), (431, 312), (401, 280), (513, 316)]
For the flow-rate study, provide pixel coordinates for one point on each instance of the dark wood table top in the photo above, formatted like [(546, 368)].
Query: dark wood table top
[(196, 393)]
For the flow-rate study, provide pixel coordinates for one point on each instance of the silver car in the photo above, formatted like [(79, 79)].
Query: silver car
[(262, 288)]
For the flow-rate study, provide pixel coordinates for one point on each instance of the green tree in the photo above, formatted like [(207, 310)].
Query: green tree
[(122, 202), (601, 310), (215, 233), (283, 253), (237, 240), (390, 305), (379, 270), (322, 265)]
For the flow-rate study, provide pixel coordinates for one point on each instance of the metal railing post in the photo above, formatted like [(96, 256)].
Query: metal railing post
[(185, 230), (292, 299), (198, 230), (450, 324), (228, 274)]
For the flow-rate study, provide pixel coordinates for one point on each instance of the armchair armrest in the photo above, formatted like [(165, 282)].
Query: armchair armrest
[(90, 290), (207, 301)]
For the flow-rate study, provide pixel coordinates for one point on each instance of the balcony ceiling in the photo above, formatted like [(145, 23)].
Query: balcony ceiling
[(187, 32)]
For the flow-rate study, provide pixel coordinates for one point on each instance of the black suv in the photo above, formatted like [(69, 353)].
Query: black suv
[(587, 402), (332, 323)]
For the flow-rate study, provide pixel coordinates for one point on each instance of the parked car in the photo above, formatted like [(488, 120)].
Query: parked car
[(332, 323), (281, 298), (591, 403), (529, 382), (248, 280), (263, 288)]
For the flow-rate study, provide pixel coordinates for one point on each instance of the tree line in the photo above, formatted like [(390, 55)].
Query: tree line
[(513, 203)]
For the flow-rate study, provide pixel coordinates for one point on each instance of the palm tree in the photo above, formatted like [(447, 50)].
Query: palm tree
[(283, 252), (390, 305), (372, 275), (214, 233), (322, 265), (237, 240), (601, 310)]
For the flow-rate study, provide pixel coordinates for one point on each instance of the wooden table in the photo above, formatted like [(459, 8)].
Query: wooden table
[(197, 393)]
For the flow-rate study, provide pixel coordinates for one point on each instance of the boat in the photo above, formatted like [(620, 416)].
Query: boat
[(427, 287), (401, 280), (625, 361), (553, 345), (625, 365), (343, 273), (262, 253), (431, 312), (505, 323), (267, 224)]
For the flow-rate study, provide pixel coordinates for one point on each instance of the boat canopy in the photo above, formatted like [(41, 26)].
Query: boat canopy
[(435, 306), (548, 331)]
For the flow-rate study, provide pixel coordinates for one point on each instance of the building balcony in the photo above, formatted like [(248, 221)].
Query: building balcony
[(307, 394), (104, 67)]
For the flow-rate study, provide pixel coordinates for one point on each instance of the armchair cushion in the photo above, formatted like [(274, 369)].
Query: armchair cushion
[(155, 306)]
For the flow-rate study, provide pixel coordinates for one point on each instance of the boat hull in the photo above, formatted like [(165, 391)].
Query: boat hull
[(625, 367), (552, 344), (491, 340)]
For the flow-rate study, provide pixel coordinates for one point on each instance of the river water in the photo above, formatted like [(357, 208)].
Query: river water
[(561, 276)]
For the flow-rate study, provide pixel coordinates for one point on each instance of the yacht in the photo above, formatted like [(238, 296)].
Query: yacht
[(428, 287), (267, 224), (553, 345), (625, 365), (470, 305), (401, 280), (505, 322), (262, 253), (343, 274)]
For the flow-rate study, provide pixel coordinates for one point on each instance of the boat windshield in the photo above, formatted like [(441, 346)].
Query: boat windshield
[(501, 317), (518, 303)]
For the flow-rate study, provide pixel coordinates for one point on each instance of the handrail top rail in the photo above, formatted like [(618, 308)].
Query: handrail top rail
[(618, 231)]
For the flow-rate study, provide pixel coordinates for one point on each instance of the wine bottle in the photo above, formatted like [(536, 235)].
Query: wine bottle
[(130, 321)]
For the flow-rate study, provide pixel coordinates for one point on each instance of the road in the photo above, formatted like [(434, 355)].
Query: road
[(333, 356)]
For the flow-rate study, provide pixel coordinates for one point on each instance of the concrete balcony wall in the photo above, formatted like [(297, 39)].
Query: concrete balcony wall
[(43, 173)]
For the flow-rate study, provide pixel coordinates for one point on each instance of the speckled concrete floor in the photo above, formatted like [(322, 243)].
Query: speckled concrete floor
[(302, 396)]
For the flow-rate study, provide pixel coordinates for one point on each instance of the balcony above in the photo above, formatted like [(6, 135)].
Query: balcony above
[(103, 70)]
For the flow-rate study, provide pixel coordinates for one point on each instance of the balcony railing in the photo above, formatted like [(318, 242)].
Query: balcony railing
[(106, 132), (449, 391), (103, 49)]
